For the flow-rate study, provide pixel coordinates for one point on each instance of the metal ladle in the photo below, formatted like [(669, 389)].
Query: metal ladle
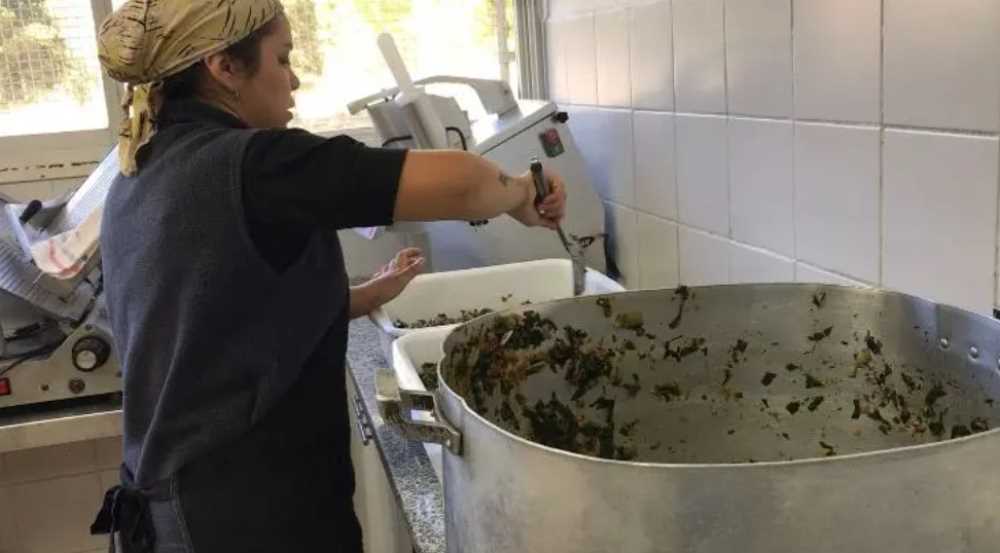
[(574, 249)]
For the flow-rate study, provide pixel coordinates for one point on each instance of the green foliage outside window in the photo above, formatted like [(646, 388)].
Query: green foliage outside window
[(34, 58)]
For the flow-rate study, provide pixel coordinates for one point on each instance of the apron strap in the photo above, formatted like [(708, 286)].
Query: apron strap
[(125, 516)]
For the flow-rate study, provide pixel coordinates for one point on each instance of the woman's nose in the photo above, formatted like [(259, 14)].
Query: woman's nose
[(295, 81)]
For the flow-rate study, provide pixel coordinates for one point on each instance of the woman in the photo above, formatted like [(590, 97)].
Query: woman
[(226, 284)]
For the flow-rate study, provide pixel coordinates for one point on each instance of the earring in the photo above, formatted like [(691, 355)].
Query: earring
[(236, 94)]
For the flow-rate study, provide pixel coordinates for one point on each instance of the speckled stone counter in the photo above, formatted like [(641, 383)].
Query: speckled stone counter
[(411, 475)]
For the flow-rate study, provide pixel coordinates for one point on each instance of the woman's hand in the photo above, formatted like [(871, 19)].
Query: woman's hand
[(392, 278), (387, 283), (549, 212)]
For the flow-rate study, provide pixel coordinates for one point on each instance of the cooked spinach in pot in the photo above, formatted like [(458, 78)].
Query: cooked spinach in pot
[(429, 376), (657, 383)]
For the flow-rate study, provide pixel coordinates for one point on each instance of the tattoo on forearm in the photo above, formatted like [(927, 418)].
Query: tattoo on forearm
[(505, 179)]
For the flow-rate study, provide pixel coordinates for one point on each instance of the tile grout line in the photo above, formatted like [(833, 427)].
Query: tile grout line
[(960, 133), (996, 242), (673, 129), (795, 169), (882, 234), (593, 57), (629, 17), (725, 93), (732, 241)]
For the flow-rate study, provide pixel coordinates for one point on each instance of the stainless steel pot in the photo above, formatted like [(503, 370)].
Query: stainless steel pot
[(750, 418)]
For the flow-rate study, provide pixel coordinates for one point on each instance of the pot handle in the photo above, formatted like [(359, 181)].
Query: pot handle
[(396, 406)]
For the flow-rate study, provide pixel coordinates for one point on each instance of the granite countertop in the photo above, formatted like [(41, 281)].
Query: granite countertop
[(411, 475)]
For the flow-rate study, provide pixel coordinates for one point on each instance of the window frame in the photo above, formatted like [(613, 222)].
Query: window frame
[(75, 154), (30, 158)]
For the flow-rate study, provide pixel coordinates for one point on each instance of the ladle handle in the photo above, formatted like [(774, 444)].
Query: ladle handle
[(541, 185)]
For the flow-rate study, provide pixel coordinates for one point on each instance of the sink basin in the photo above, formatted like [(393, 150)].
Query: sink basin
[(409, 353), (495, 287)]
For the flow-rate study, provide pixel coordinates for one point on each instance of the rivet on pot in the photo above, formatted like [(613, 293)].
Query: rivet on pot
[(945, 343), (974, 352)]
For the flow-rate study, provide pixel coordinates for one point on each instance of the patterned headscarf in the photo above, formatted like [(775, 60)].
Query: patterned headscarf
[(146, 41)]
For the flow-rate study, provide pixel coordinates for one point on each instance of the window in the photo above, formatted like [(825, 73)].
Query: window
[(59, 113), (338, 61), (52, 79), (57, 110)]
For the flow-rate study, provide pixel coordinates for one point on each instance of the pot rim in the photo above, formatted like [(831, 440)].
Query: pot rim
[(925, 448)]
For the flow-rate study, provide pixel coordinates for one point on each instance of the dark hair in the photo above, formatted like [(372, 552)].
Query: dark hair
[(247, 51)]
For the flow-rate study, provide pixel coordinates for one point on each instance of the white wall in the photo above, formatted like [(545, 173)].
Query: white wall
[(49, 496), (814, 140)]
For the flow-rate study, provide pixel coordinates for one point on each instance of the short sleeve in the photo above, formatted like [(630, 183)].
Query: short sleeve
[(294, 177)]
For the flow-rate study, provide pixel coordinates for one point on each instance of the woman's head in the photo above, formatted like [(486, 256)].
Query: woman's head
[(241, 47), (253, 78)]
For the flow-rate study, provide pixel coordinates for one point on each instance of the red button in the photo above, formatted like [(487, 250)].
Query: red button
[(4, 386)]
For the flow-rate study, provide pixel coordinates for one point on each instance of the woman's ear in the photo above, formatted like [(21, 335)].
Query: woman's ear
[(225, 71)]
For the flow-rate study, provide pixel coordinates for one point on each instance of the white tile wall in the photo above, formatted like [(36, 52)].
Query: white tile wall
[(837, 64), (702, 179), (837, 198), (941, 65), (613, 82), (704, 259), (940, 217), (8, 526), (652, 58), (109, 479), (622, 225), (581, 60), (55, 515), (605, 141), (855, 141), (557, 65), (808, 273), (45, 462), (655, 177), (109, 452), (699, 56), (657, 251), (759, 57), (752, 265), (761, 184), (48, 496)]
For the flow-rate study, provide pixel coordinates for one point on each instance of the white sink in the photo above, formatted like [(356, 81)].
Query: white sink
[(409, 353), (496, 287)]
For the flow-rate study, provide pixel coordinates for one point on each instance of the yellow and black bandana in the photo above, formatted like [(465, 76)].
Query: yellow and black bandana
[(146, 41)]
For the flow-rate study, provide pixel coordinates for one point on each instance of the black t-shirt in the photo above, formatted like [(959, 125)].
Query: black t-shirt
[(295, 181)]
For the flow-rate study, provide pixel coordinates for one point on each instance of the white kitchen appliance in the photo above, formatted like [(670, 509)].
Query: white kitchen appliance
[(55, 336), (510, 134)]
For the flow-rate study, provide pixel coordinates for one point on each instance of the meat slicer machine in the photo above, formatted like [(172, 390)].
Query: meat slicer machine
[(55, 336), (511, 134)]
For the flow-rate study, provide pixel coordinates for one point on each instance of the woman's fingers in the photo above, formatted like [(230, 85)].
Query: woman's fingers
[(409, 252)]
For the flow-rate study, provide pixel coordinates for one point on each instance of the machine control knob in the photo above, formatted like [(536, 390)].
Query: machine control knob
[(77, 386), (560, 117), (90, 353)]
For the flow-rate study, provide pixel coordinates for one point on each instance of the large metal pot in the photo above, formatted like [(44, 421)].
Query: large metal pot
[(750, 418)]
